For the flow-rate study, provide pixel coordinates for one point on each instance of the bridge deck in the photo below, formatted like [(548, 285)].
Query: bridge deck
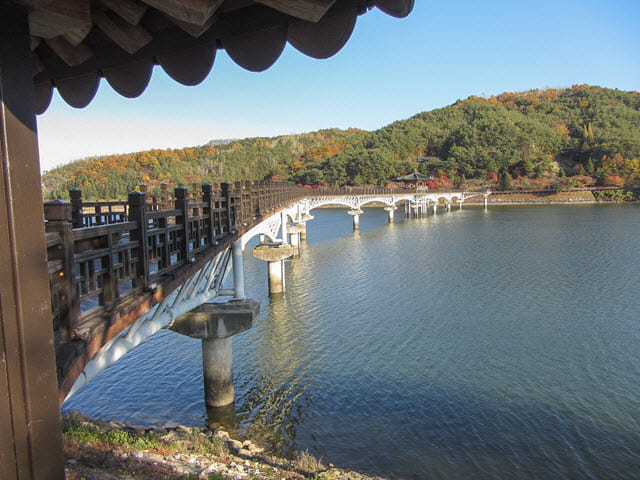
[(110, 263)]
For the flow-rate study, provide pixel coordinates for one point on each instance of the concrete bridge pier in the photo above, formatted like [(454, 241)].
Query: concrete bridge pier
[(390, 210), (449, 206), (414, 209), (435, 208), (486, 201), (215, 324), (274, 254), (356, 217), (295, 232), (217, 368), (238, 270), (303, 232)]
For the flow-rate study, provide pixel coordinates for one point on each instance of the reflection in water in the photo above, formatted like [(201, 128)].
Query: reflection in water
[(222, 417), (283, 360), (471, 344)]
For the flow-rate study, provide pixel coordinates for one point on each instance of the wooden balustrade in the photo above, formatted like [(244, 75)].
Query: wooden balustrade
[(99, 253)]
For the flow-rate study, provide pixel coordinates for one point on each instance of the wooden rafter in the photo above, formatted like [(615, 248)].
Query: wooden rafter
[(130, 38), (130, 10), (77, 36), (49, 19), (122, 39), (71, 55), (190, 11), (310, 10), (193, 29)]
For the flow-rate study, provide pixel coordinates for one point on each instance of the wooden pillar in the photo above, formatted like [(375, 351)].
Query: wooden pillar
[(207, 197), (231, 206), (58, 215), (76, 208), (137, 203), (30, 437), (182, 204)]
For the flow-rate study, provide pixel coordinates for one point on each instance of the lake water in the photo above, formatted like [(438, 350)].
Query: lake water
[(472, 344)]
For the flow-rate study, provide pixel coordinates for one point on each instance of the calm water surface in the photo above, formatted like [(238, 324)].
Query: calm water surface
[(473, 344)]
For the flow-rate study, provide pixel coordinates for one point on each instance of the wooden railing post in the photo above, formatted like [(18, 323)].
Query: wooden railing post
[(252, 200), (137, 213), (76, 208), (236, 202), (259, 191), (109, 284), (239, 200), (231, 209), (207, 212), (164, 197), (182, 204), (58, 215)]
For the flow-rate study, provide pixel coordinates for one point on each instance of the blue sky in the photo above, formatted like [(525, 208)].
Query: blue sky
[(389, 70)]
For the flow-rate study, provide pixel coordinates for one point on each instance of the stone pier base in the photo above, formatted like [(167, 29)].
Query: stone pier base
[(274, 253), (303, 222), (390, 210), (215, 324), (295, 236), (356, 218), (277, 283), (217, 367)]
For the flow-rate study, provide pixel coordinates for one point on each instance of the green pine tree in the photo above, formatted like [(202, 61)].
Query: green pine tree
[(504, 182)]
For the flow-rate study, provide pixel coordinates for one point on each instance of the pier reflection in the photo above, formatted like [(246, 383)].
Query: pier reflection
[(222, 417), (277, 400)]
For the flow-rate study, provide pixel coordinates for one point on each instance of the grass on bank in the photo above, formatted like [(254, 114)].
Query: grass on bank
[(77, 429), (92, 446)]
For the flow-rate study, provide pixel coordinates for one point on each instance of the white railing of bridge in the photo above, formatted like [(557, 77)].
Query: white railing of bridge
[(206, 285)]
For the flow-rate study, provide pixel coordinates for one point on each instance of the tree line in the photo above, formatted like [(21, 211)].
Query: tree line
[(583, 135)]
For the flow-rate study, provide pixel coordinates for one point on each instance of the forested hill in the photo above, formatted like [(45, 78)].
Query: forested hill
[(113, 176), (579, 135)]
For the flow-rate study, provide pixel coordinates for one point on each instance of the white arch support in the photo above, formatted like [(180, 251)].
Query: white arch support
[(202, 287), (206, 284)]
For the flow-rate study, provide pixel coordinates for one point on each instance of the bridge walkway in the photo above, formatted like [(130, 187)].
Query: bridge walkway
[(125, 269)]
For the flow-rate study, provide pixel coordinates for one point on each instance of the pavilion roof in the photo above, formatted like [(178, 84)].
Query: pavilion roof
[(76, 42), (414, 177)]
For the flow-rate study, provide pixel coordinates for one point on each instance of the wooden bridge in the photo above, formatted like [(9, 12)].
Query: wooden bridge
[(69, 46), (111, 262), (146, 261)]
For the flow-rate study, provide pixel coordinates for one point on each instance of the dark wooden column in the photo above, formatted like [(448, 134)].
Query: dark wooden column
[(30, 438)]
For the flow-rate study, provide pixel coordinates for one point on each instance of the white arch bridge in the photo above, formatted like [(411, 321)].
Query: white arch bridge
[(203, 305)]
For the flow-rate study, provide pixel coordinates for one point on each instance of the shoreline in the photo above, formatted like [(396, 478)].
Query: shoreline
[(559, 198), (112, 450)]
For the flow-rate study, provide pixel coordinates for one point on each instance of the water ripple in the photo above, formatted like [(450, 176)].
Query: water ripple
[(497, 344)]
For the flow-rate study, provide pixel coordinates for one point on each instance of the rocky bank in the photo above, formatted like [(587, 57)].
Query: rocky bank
[(111, 450)]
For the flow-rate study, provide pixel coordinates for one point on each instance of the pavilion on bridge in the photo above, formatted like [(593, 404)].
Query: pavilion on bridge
[(416, 181)]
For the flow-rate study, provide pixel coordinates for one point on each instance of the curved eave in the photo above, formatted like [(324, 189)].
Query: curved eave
[(254, 36)]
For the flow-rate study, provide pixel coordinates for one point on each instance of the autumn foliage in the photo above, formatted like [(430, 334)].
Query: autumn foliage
[(586, 133)]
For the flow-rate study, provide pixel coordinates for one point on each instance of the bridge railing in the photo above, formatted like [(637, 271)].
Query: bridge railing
[(379, 191), (100, 253)]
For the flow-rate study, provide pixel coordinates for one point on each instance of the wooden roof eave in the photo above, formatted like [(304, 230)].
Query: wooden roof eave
[(253, 35)]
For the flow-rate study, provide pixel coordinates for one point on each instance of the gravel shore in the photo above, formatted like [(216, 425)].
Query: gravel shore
[(111, 450)]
